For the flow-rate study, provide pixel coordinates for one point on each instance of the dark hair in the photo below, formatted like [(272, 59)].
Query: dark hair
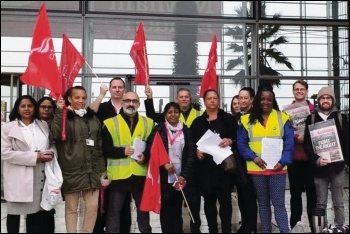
[(209, 90), (70, 91), (256, 111), (237, 97), (116, 78), (169, 105), (303, 83), (53, 103), (250, 90), (15, 110)]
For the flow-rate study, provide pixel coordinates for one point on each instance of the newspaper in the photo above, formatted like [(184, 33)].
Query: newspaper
[(325, 140), (298, 116)]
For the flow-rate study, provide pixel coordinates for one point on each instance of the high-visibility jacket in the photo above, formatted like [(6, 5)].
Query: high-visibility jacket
[(123, 168), (256, 132), (193, 114)]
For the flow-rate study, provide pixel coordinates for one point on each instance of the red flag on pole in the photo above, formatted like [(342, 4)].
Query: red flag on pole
[(42, 70), (209, 80), (138, 53), (151, 192), (71, 63)]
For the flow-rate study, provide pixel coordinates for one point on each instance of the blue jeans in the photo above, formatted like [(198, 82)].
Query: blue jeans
[(336, 186)]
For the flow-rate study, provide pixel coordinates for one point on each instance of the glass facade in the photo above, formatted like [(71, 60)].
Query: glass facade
[(281, 41)]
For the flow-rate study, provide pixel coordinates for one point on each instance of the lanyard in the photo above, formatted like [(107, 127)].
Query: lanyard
[(172, 139), (33, 132)]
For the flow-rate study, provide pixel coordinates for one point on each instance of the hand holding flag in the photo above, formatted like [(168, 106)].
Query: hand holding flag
[(151, 192), (209, 80), (71, 63), (138, 53)]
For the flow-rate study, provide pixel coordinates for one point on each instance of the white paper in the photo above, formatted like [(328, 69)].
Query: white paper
[(271, 151), (139, 147), (207, 134), (209, 143)]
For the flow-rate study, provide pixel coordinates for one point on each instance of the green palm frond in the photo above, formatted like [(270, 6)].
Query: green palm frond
[(278, 41), (235, 47), (233, 63)]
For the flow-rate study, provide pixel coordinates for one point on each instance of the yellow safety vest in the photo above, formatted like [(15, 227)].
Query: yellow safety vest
[(123, 168), (256, 132), (193, 114)]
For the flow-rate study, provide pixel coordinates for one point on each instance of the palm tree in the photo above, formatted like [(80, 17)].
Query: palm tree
[(186, 46), (268, 40)]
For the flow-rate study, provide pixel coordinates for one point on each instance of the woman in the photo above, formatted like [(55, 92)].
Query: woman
[(266, 121), (24, 141), (235, 107), (214, 183), (47, 108), (80, 157), (178, 142)]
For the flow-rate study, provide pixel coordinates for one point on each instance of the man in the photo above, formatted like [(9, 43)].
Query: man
[(300, 171), (187, 115), (326, 173), (105, 111), (245, 188), (127, 174)]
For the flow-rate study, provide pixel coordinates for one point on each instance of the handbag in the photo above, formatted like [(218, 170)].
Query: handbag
[(230, 164), (52, 195)]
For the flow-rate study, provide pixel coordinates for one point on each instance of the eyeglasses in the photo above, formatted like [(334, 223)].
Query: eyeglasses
[(300, 90), (127, 101), (326, 98), (46, 107)]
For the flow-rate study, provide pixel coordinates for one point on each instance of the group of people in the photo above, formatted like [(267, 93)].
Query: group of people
[(99, 146)]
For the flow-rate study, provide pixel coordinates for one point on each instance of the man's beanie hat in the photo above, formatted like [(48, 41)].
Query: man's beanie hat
[(326, 91)]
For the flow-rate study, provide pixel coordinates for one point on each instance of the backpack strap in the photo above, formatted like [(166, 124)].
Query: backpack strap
[(313, 118), (340, 118)]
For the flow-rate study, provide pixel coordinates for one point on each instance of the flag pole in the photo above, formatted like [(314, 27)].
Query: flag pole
[(93, 72), (146, 65), (188, 207)]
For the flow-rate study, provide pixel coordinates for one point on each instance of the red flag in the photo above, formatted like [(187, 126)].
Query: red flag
[(151, 192), (42, 70), (209, 80), (71, 63), (138, 53)]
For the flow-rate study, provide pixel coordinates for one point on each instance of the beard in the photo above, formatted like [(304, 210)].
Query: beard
[(130, 110)]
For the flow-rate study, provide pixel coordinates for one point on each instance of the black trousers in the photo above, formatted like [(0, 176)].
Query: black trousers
[(247, 204), (40, 222), (171, 211), (125, 215), (301, 179), (225, 210), (194, 203)]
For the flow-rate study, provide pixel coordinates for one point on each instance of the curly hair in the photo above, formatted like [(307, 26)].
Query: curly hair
[(256, 111)]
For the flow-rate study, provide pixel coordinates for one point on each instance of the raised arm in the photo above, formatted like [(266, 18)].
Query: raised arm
[(96, 103)]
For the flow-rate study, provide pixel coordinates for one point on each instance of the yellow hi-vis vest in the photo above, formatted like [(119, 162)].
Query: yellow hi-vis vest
[(193, 114), (123, 168), (256, 132)]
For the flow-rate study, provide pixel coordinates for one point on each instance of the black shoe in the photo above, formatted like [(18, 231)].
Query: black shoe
[(241, 229), (245, 230)]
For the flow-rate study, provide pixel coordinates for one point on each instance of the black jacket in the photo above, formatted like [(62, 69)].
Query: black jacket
[(187, 161), (209, 175), (343, 135)]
